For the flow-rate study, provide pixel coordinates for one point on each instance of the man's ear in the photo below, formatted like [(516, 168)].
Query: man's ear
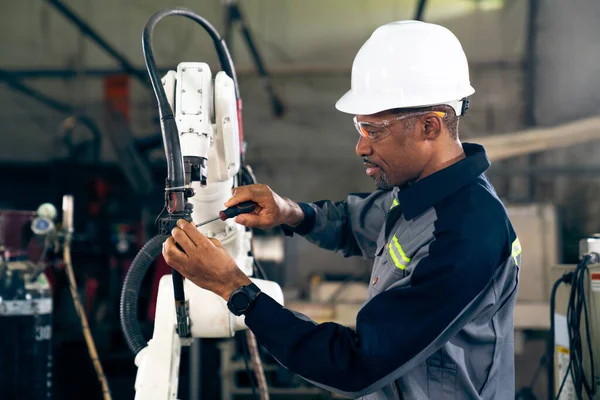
[(432, 126)]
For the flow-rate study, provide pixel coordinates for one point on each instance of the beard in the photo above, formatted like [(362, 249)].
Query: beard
[(382, 182)]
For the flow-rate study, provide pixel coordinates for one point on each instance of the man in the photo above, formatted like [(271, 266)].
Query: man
[(438, 323)]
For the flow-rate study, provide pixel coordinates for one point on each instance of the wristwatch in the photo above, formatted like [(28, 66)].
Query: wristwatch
[(241, 299)]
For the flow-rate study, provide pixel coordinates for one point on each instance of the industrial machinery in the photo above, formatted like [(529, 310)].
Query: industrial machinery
[(202, 134), (574, 367), (27, 239), (25, 305)]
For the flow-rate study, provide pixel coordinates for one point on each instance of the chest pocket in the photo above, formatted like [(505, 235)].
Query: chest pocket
[(387, 268), (396, 253)]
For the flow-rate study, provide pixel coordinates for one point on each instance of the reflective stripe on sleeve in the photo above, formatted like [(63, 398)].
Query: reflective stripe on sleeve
[(516, 251)]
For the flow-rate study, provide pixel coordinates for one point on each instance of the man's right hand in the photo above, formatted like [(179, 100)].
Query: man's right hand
[(272, 209)]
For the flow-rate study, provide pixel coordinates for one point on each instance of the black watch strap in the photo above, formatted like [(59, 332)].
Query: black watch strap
[(242, 299)]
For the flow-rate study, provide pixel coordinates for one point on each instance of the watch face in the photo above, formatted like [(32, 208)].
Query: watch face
[(240, 301)]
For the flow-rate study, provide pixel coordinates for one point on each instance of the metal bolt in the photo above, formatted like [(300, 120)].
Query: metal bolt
[(199, 69), (191, 130), (183, 69), (199, 91), (182, 90), (183, 112)]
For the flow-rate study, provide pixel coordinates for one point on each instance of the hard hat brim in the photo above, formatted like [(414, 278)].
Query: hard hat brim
[(351, 103)]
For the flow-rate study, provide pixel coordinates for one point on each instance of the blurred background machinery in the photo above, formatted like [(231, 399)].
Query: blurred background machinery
[(574, 345), (77, 117), (25, 308)]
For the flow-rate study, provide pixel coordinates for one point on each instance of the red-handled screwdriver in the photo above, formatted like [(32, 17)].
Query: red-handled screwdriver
[(242, 208)]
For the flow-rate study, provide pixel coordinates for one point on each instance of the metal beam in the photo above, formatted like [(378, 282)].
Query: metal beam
[(132, 165), (69, 124), (48, 101), (88, 31), (69, 73)]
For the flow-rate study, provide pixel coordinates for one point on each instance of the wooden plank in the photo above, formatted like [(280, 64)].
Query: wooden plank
[(503, 146)]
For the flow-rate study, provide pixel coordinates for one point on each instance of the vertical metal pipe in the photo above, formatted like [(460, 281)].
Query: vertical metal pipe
[(68, 210)]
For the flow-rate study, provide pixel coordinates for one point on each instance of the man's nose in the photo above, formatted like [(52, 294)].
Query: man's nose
[(363, 147)]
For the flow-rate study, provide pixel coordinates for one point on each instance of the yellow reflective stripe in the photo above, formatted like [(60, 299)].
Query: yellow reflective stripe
[(394, 203), (402, 254), (395, 259), (516, 250)]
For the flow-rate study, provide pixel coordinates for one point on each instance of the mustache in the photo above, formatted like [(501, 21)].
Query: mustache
[(366, 160)]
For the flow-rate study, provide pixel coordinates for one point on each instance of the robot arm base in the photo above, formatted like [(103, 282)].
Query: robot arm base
[(158, 363)]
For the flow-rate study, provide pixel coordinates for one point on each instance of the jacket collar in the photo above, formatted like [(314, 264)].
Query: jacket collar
[(420, 196)]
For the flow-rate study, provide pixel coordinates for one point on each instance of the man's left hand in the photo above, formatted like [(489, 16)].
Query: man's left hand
[(203, 260)]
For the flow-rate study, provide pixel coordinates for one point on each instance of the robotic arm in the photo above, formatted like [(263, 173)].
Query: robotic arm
[(202, 135)]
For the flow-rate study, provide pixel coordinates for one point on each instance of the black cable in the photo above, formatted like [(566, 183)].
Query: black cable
[(578, 287), (420, 10), (131, 291), (562, 385), (566, 278), (175, 166), (258, 269), (577, 305), (590, 389), (169, 127)]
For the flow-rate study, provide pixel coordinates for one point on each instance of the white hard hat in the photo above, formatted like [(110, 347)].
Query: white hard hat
[(408, 64)]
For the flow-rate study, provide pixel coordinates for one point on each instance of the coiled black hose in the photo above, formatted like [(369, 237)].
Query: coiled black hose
[(131, 289), (175, 171)]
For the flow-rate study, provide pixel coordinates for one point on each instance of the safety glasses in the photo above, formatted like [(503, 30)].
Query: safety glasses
[(381, 129)]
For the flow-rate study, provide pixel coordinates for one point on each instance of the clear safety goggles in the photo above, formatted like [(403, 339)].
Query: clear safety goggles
[(376, 131)]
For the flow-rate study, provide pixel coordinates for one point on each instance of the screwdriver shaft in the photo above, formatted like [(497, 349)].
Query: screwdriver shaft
[(207, 221), (231, 212)]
